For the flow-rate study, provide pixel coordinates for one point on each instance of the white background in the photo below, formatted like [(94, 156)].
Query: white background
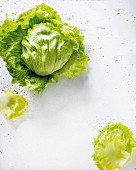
[(60, 125)]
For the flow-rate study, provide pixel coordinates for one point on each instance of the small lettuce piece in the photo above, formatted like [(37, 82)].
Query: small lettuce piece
[(63, 48), (113, 147), (12, 106)]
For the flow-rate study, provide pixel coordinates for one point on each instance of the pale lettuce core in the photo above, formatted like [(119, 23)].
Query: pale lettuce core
[(45, 49), (113, 147)]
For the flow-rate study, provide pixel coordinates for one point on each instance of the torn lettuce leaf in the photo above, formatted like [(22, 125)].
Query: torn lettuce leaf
[(113, 147), (12, 106), (39, 48)]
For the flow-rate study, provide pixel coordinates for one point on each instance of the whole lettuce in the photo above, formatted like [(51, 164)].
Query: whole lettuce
[(39, 48)]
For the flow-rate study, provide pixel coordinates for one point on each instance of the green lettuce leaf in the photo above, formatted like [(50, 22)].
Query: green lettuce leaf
[(12, 106), (41, 13), (113, 147), (76, 64)]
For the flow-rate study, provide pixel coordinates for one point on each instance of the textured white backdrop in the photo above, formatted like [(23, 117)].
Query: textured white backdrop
[(60, 125)]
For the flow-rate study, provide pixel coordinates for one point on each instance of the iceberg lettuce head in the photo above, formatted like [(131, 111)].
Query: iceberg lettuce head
[(39, 48)]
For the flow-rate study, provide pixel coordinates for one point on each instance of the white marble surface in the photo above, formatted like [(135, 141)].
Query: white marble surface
[(60, 125)]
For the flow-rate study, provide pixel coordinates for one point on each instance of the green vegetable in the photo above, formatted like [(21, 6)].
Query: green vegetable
[(39, 48), (12, 105), (113, 147)]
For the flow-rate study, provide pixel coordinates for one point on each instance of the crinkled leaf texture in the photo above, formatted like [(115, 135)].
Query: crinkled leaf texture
[(12, 105), (113, 147), (59, 46)]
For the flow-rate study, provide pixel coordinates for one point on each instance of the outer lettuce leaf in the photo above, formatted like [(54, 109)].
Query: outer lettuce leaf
[(42, 13), (12, 105), (76, 64), (113, 147), (11, 48), (5, 28)]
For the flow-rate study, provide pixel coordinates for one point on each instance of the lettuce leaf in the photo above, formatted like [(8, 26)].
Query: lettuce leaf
[(41, 13), (113, 147), (12, 106)]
